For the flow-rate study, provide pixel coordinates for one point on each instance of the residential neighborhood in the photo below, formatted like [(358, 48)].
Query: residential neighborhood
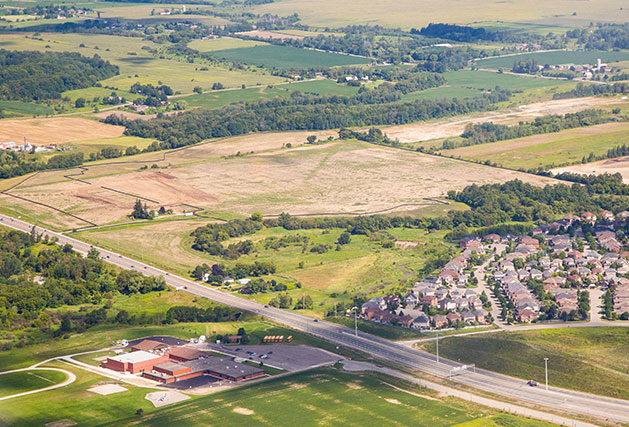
[(542, 276)]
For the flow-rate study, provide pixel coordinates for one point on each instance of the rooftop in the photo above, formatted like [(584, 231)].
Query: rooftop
[(135, 357)]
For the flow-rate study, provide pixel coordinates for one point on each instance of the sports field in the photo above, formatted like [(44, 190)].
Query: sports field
[(327, 397), (548, 150), (287, 57), (556, 58), (585, 359), (19, 382)]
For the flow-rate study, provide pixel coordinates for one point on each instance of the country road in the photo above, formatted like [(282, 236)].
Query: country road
[(556, 399)]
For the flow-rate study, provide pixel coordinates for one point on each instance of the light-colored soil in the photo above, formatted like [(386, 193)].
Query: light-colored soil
[(455, 126), (163, 398), (107, 389), (55, 130), (243, 411), (269, 35), (619, 165)]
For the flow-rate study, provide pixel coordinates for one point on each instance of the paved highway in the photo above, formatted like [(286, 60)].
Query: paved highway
[(561, 400)]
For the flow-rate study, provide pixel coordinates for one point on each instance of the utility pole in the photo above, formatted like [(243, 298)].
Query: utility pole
[(546, 369)]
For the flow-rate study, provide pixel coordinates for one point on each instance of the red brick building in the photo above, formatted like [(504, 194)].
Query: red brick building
[(134, 362)]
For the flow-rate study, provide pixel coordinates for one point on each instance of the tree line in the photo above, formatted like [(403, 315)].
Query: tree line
[(29, 75), (299, 112)]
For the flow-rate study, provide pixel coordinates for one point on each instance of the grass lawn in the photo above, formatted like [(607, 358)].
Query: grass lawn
[(74, 402), (272, 56), (548, 150), (18, 382), (591, 360), (555, 58)]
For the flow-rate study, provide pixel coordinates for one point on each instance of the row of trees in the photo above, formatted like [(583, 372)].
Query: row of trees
[(17, 164), (299, 112), (482, 133)]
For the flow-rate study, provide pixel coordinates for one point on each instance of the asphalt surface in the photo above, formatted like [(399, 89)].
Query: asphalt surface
[(561, 400)]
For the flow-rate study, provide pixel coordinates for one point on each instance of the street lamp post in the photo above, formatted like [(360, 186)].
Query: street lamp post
[(355, 320), (546, 369), (437, 345)]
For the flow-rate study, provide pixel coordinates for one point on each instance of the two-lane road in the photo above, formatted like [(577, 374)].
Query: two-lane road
[(555, 399)]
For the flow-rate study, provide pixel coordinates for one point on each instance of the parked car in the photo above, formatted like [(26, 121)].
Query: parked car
[(532, 383)]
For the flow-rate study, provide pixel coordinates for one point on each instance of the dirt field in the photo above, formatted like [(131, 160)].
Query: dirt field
[(270, 35), (455, 126), (55, 130), (619, 165)]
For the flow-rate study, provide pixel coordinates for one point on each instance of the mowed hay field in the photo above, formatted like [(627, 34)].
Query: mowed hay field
[(338, 177), (612, 166), (409, 13), (454, 126), (136, 64), (547, 150), (57, 130)]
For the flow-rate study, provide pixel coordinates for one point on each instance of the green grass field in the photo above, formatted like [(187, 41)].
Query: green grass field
[(555, 58), (218, 99), (272, 56), (488, 80), (25, 108), (19, 382), (136, 64), (591, 360), (547, 150), (223, 43)]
